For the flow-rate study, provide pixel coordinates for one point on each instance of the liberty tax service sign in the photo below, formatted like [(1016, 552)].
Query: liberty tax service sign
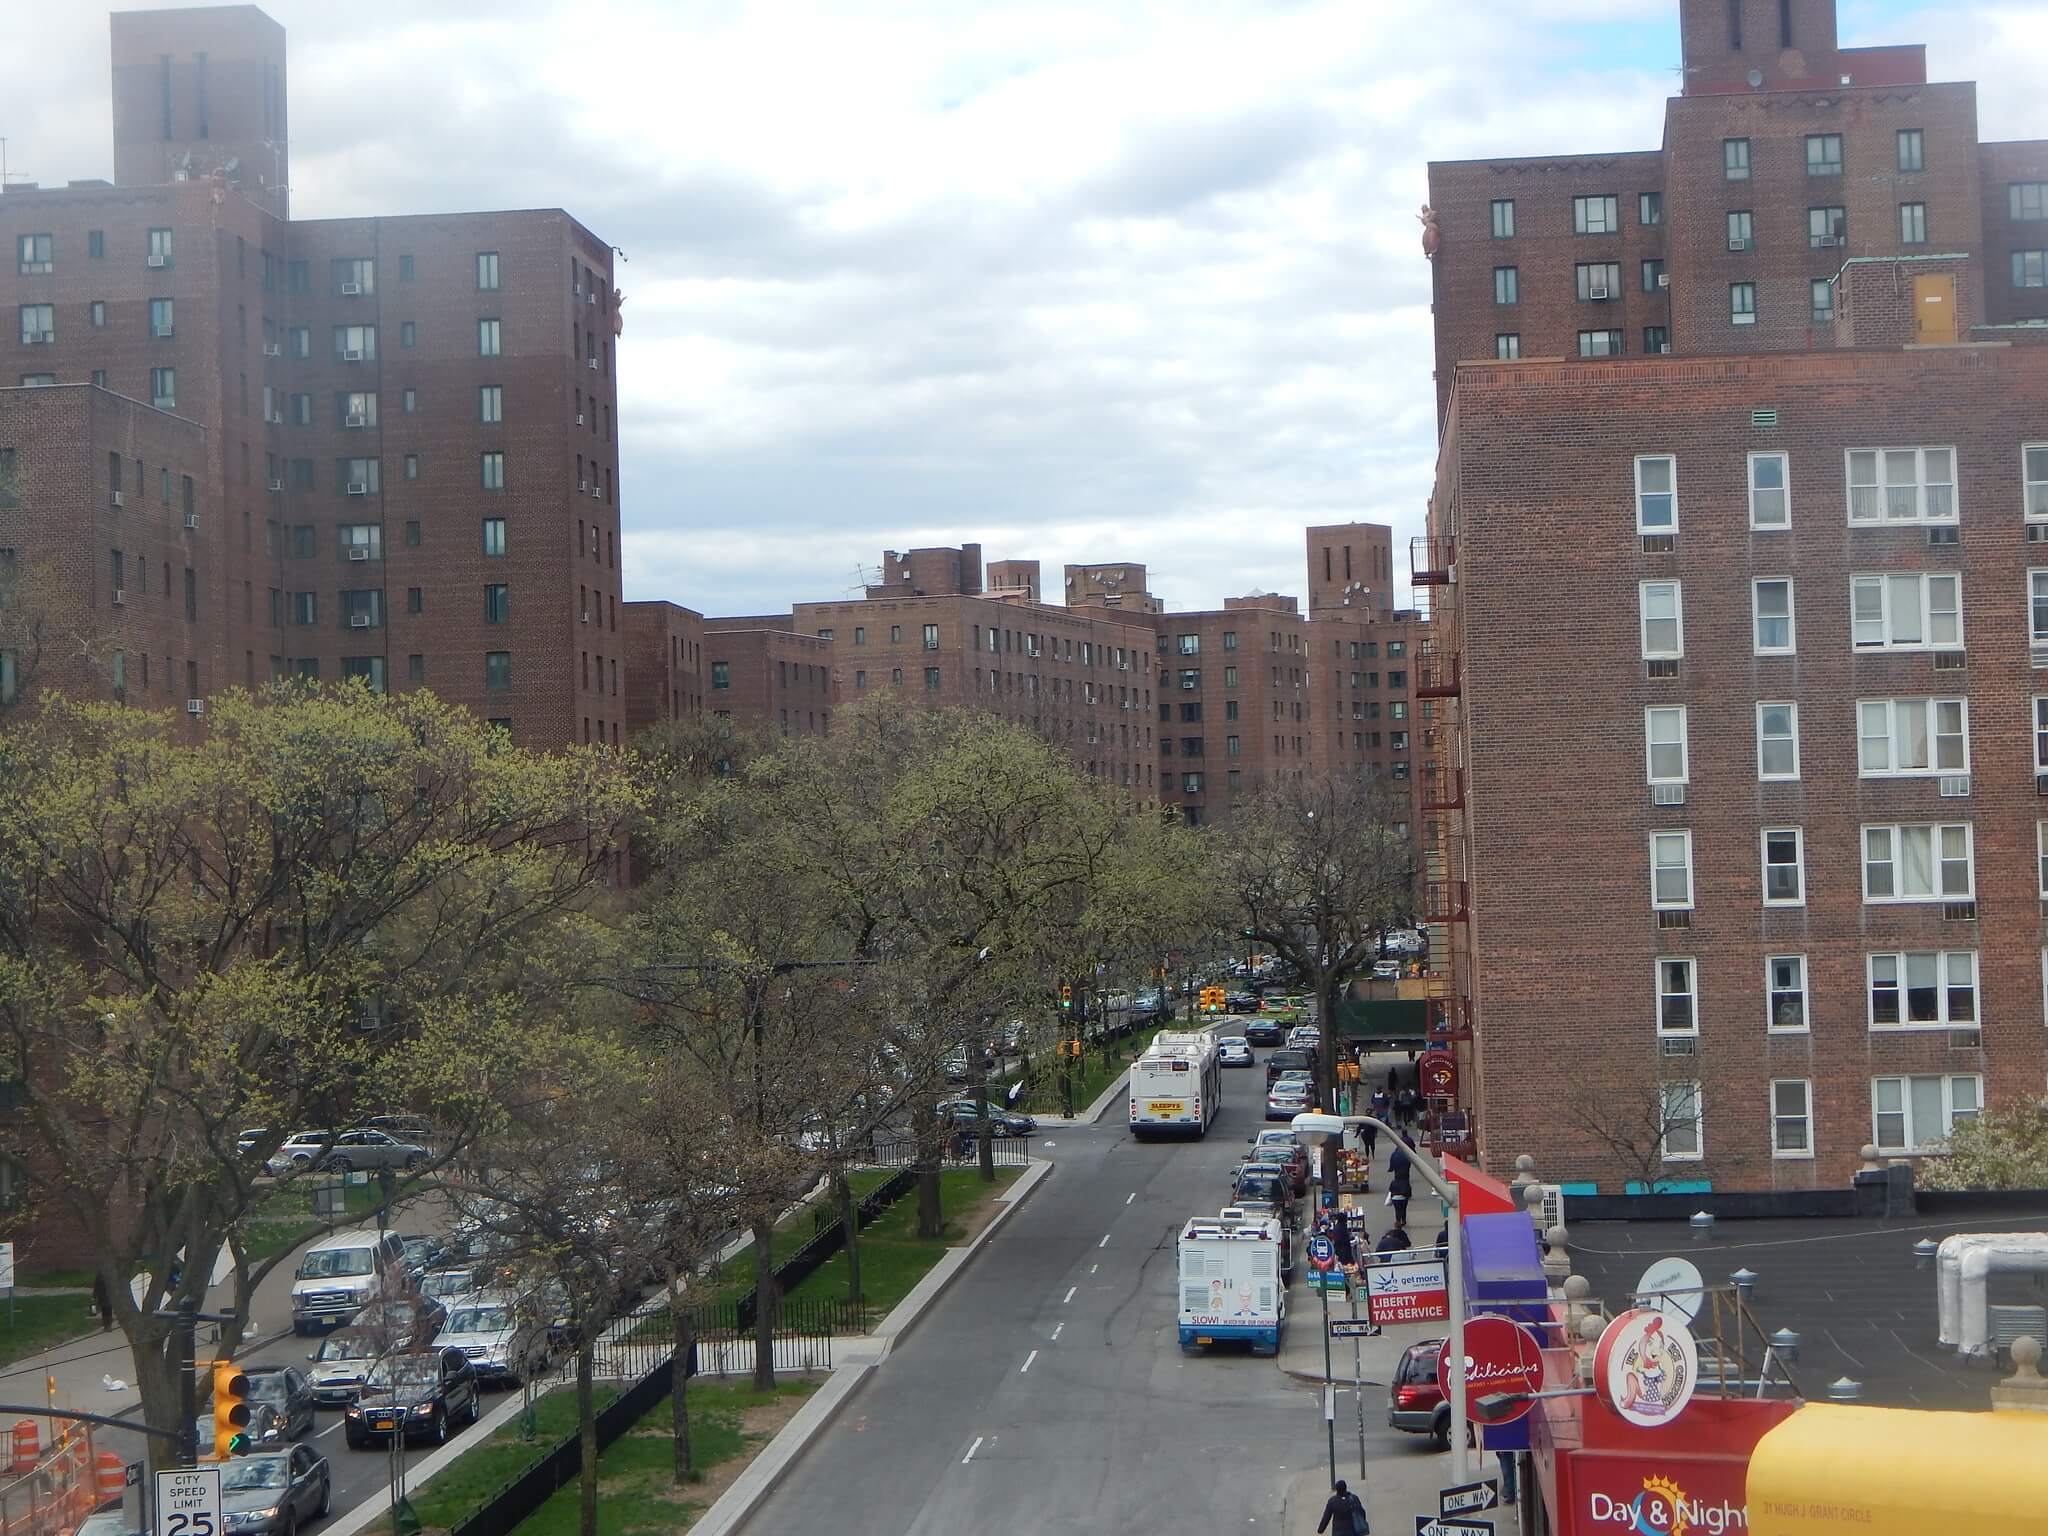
[(1500, 1356), (1411, 1292)]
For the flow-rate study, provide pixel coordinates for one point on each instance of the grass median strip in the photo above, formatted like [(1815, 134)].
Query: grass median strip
[(735, 1277), (478, 1473), (893, 1258)]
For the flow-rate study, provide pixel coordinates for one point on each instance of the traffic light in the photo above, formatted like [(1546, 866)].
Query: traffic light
[(1066, 997), (1212, 999), (230, 1410)]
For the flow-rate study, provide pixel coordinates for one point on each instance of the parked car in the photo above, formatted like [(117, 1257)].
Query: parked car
[(448, 1284), (1235, 1051), (413, 1128), (1305, 1037), (246, 1142), (1149, 1004), (1262, 1031), (108, 1522), (1286, 1100), (422, 1252), (1290, 1058), (1292, 1157), (965, 1114), (273, 1493), (264, 1427), (338, 1366), (288, 1392), (408, 1322), (1415, 1402), (324, 1151), (503, 1341), (421, 1395), (1240, 1002), (1386, 970)]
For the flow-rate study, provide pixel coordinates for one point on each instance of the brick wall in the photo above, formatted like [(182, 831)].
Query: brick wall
[(2000, 166), (664, 657)]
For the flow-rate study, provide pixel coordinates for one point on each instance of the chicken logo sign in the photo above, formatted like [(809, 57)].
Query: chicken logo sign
[(1646, 1367)]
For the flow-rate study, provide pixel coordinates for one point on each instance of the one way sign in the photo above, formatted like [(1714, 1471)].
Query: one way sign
[(1469, 1496), (1425, 1526)]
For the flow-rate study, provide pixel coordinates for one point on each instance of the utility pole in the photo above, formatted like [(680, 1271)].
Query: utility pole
[(188, 1384)]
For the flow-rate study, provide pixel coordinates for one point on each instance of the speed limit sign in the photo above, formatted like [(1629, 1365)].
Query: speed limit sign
[(188, 1502)]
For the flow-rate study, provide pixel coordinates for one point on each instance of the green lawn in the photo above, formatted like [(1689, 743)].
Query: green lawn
[(284, 1217), (481, 1472), (40, 1321), (735, 1277), (892, 1257)]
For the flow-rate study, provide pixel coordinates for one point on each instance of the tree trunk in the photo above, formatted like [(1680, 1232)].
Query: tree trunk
[(849, 1217), (156, 1367), (930, 1218), (767, 1304), (678, 1394), (586, 1434)]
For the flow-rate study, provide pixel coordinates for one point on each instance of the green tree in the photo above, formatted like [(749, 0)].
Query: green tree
[(2000, 1149), (330, 902)]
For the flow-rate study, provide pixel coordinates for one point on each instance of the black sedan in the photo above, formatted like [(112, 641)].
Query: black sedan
[(963, 1113), (287, 1392), (1265, 1031), (275, 1492), (420, 1396), (1240, 1002)]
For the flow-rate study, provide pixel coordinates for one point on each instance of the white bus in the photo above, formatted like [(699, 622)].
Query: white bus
[(1176, 1086), (1231, 1289)]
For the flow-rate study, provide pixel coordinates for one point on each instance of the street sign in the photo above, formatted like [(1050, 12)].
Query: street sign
[(1353, 1328), (6, 1266), (1484, 1494), (188, 1502), (1408, 1293), (1428, 1525), (1322, 1253)]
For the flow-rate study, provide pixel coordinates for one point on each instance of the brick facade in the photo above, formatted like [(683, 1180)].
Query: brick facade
[(664, 654), (770, 678)]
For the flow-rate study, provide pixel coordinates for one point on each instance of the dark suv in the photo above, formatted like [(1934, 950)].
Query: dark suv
[(1291, 1058), (420, 1395)]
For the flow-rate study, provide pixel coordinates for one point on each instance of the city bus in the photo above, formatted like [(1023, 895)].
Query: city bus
[(1176, 1087)]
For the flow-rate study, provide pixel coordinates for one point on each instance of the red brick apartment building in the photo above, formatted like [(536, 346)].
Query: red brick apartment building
[(1738, 829), (405, 426)]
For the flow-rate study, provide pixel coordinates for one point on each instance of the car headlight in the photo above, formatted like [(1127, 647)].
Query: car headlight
[(355, 1410)]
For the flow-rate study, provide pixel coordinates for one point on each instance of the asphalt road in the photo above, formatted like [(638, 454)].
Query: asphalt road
[(1046, 1391)]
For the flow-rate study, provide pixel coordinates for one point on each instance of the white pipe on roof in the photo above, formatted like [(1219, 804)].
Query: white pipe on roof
[(2013, 1253)]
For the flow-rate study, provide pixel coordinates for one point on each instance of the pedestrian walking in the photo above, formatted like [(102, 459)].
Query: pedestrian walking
[(1344, 1515), (1382, 1102), (1393, 1240), (1393, 1079), (1399, 1188), (1370, 1136), (102, 1303)]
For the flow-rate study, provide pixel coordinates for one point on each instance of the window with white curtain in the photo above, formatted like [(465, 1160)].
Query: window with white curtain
[(1777, 741), (1670, 870), (1917, 612), (1899, 738), (1918, 862), (1923, 989), (1913, 1114), (1791, 1117), (1665, 744)]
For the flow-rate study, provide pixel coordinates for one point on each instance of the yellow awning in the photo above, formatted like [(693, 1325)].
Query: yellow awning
[(1899, 1472)]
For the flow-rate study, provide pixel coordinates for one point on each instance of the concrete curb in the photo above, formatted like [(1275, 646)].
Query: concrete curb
[(767, 1470), (376, 1507)]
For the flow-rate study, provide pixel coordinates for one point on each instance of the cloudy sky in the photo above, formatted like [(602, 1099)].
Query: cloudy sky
[(1078, 280)]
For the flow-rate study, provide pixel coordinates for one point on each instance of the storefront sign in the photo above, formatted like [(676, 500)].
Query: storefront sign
[(1437, 1072), (1407, 1293), (1500, 1356), (1646, 1367), (1638, 1497)]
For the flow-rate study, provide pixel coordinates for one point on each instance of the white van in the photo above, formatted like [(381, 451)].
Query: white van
[(343, 1273), (1231, 1289)]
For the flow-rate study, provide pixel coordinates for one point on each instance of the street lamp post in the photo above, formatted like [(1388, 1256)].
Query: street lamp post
[(1314, 1129)]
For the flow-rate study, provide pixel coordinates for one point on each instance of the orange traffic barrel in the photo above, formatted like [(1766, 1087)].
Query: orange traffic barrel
[(109, 1478), (28, 1449)]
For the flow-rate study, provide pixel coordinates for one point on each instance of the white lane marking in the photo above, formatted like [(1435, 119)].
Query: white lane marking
[(972, 1449), (1070, 1294), (1105, 1241), (1130, 1197), (1056, 1329), (330, 1429), (1093, 1267), (1027, 1362)]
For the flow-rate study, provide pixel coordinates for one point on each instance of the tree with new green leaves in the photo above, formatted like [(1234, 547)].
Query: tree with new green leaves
[(1319, 869), (2004, 1148), (330, 903)]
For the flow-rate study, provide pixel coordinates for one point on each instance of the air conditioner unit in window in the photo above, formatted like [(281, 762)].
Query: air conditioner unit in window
[(2037, 533), (272, 349), (1965, 1040), (359, 621), (2037, 656), (118, 500), (159, 261), (1667, 794), (277, 485), (353, 421), (1951, 661), (121, 596), (160, 330), (351, 290), (1664, 347), (579, 418), (586, 615), (590, 297), (1681, 1045), (1822, 242), (359, 551), (1955, 786), (1740, 245), (191, 519), (276, 419), (164, 402), (590, 363), (358, 488), (352, 355), (1949, 535), (582, 485), (1596, 290), (195, 706), (596, 494), (1663, 279)]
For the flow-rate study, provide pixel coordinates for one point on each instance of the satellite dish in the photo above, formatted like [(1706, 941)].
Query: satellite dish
[(1756, 78), (1673, 1287)]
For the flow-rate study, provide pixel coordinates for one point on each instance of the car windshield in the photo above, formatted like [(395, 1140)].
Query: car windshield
[(407, 1370), (452, 1282), (268, 1387), (347, 1346), (480, 1320), (322, 1263), (244, 1472), (108, 1523)]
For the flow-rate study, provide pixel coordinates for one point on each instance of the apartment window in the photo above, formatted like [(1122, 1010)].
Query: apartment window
[(1504, 218), (1649, 208), (302, 541), (1741, 230), (1784, 867), (896, 635), (1917, 1114), (1915, 737), (492, 468), (1230, 709), (408, 334), (1777, 741), (1823, 154), (860, 634), (1507, 345), (1234, 780), (1191, 712), (1791, 1117), (931, 637), (412, 463), (1735, 159), (1230, 746), (405, 268), (1912, 223), (1598, 279), (38, 324), (1914, 612), (491, 403), (1825, 227), (162, 318), (355, 343), (35, 254), (408, 402), (1230, 635), (163, 388), (1771, 615), (2027, 201), (896, 676), (931, 679), (1656, 338), (366, 537), (1670, 871), (497, 671), (1665, 743), (415, 599), (1742, 303), (1918, 862), (1507, 285), (1683, 1140), (2034, 478), (1785, 988), (2041, 855), (1656, 494), (860, 678), (304, 607), (352, 275), (96, 243), (487, 271), (494, 536), (1601, 343), (489, 338), (1596, 215), (362, 608), (356, 410), (1912, 150), (2030, 269), (38, 380), (1187, 645), (1678, 1000), (497, 603), (299, 341), (1923, 989), (369, 668), (1821, 298), (1663, 622), (721, 674), (298, 277), (1769, 494)]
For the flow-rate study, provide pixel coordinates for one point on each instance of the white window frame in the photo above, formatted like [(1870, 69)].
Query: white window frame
[(1684, 839), (1885, 583), (1792, 721), (1879, 502), (1643, 522), (1689, 1087), (1772, 989), (1608, 207), (1915, 1141), (1895, 712), (1804, 1117), (1677, 619), (1651, 744), (1757, 616), (1896, 960), (2041, 855), (1797, 866), (1894, 834), (1783, 489), (1742, 303), (2034, 481), (2037, 605), (1691, 994)]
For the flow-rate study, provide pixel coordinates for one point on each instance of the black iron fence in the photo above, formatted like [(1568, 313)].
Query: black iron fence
[(1010, 1152), (824, 1242)]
